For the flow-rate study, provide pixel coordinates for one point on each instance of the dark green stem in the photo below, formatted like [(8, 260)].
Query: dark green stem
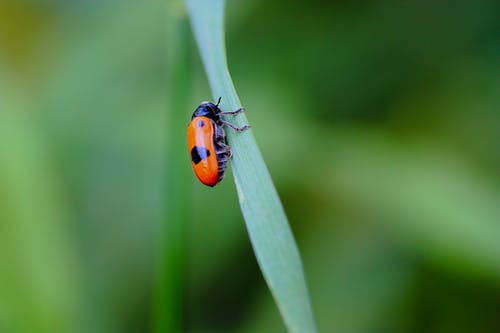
[(167, 315)]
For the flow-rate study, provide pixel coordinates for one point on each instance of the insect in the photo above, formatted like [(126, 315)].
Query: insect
[(207, 143)]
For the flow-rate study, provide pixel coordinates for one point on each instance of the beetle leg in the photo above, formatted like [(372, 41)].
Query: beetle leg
[(223, 151), (236, 128), (240, 110)]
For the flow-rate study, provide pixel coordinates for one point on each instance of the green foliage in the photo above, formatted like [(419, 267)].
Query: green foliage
[(171, 257), (267, 225), (378, 121)]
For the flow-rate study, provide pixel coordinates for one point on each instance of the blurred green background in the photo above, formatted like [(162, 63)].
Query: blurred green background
[(380, 123)]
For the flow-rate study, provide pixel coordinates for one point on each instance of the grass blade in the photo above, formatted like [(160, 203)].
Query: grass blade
[(265, 219), (170, 265)]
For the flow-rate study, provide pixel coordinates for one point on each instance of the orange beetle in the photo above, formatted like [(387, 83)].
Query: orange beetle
[(207, 144)]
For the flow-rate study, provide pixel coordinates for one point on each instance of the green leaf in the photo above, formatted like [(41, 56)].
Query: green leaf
[(170, 265), (267, 225)]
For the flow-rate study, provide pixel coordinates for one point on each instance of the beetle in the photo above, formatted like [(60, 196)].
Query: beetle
[(207, 143)]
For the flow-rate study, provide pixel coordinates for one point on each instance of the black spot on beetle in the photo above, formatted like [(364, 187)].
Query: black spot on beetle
[(199, 153), (201, 123)]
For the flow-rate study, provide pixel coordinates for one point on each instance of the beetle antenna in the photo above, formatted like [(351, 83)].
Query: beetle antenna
[(218, 102)]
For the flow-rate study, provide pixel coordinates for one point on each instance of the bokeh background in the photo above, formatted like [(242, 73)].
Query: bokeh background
[(380, 123)]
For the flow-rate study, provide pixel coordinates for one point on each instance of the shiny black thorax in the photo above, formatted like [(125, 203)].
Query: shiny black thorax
[(209, 110)]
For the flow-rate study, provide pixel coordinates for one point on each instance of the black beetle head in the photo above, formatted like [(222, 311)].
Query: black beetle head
[(207, 109)]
